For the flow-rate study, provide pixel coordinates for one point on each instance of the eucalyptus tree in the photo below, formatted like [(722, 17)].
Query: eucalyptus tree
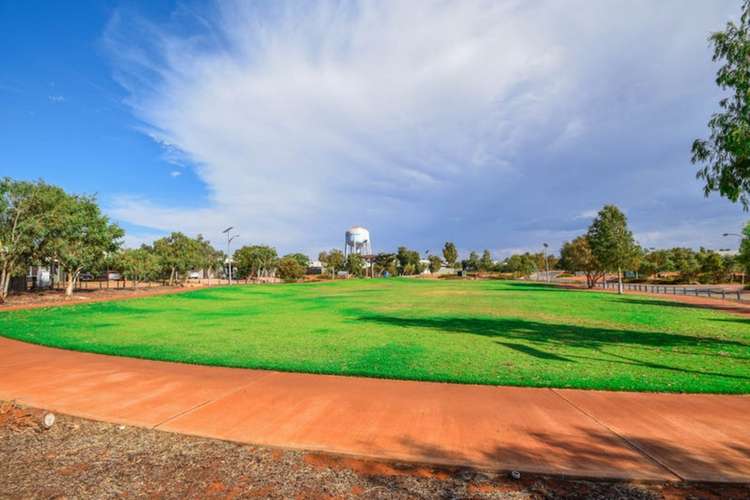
[(81, 237), (137, 264), (450, 254), (725, 155), (576, 256), (177, 254), (28, 211), (290, 269), (612, 242), (255, 260), (485, 262), (435, 263)]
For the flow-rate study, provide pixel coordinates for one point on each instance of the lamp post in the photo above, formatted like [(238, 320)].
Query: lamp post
[(546, 263), (229, 253), (741, 237)]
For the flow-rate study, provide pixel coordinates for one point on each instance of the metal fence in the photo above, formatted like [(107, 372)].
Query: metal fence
[(710, 292)]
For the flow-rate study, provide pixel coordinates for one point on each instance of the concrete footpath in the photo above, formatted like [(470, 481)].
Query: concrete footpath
[(569, 432)]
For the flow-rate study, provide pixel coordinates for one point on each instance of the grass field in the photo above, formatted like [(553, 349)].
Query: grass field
[(487, 332)]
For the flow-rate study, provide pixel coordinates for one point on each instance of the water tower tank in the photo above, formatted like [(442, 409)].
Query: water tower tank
[(358, 240)]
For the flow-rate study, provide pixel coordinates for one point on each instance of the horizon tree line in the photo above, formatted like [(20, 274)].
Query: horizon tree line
[(41, 224)]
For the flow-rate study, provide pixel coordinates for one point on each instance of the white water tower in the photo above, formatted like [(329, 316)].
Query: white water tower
[(357, 241)]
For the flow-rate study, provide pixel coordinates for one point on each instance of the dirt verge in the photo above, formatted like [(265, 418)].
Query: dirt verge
[(78, 458), (54, 298)]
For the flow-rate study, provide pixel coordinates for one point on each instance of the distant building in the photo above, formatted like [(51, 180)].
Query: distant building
[(315, 267)]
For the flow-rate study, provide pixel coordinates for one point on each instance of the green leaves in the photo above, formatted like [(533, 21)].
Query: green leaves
[(255, 260), (39, 222), (177, 254), (450, 253), (611, 241), (82, 236), (290, 268), (725, 155)]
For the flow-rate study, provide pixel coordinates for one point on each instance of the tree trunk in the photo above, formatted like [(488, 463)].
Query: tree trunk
[(619, 281), (171, 277), (4, 282), (71, 279)]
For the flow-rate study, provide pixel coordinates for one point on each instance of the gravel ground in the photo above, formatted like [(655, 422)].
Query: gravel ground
[(79, 458)]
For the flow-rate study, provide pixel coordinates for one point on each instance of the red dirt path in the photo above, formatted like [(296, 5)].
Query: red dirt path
[(566, 432)]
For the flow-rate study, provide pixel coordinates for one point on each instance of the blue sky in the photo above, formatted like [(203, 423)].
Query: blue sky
[(497, 125)]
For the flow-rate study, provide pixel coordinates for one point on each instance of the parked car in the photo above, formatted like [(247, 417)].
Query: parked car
[(194, 275), (86, 277)]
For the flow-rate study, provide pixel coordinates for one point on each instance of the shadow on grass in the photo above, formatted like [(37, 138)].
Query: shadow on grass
[(530, 351), (551, 333), (556, 336), (741, 321), (520, 286)]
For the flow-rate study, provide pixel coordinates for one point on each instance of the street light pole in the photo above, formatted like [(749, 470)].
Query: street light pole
[(546, 263), (741, 237), (229, 254)]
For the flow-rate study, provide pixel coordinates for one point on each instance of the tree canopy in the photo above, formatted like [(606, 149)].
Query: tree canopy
[(178, 254), (137, 264), (355, 265), (435, 263), (82, 237), (290, 268), (612, 242), (255, 260), (333, 260), (29, 213), (450, 254), (577, 256), (725, 155)]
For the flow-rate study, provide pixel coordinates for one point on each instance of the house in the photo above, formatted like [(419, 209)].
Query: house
[(315, 267)]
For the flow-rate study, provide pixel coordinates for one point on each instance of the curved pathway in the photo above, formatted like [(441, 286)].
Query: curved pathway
[(570, 432)]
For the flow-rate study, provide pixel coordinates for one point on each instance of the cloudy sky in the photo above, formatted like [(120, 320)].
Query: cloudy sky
[(494, 124)]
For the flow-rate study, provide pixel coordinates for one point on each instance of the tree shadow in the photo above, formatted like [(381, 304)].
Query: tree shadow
[(562, 336), (629, 299), (741, 321), (717, 306), (551, 333), (582, 451), (504, 286), (530, 351), (624, 360)]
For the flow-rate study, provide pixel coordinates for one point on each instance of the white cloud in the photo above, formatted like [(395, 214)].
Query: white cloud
[(303, 120), (56, 98), (175, 173), (587, 214)]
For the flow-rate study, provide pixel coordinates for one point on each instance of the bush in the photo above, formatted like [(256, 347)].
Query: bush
[(290, 269)]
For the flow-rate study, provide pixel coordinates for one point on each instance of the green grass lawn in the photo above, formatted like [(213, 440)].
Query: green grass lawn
[(486, 332)]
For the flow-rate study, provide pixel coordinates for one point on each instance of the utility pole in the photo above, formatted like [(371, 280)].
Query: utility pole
[(546, 263)]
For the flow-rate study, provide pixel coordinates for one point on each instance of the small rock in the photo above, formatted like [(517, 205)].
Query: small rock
[(48, 420)]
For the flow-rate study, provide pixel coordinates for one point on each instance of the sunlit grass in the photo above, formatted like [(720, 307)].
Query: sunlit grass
[(487, 332)]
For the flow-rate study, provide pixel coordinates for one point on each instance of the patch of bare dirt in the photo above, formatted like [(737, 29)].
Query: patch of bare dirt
[(49, 298), (78, 458)]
